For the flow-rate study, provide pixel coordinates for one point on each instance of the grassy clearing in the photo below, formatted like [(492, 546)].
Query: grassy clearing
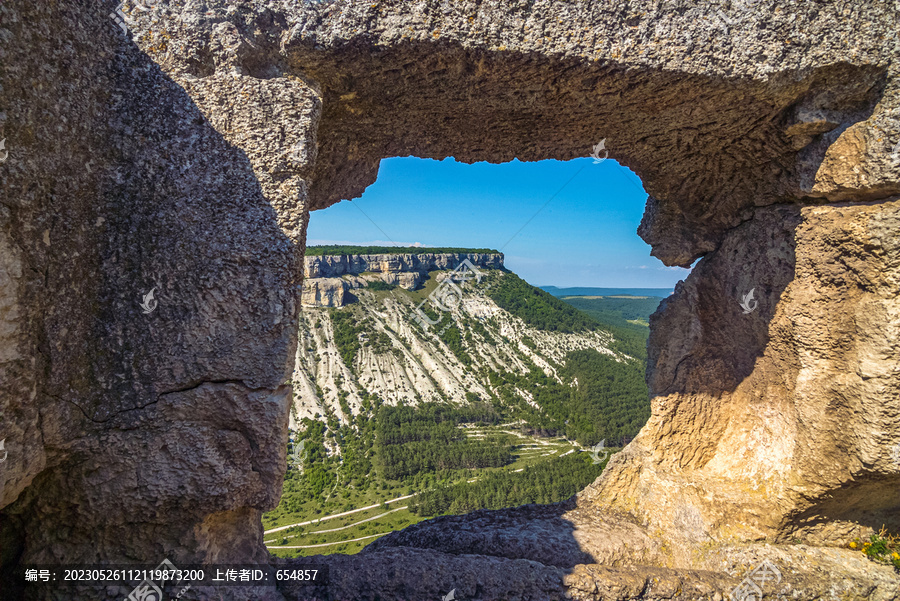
[(344, 500), (359, 525)]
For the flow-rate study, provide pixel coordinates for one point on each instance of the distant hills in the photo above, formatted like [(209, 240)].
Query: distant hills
[(558, 292), (625, 311), (629, 312)]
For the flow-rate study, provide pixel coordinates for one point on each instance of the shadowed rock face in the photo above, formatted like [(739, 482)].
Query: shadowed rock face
[(133, 434), (185, 162)]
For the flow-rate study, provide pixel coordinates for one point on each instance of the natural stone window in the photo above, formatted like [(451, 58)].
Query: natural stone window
[(183, 156)]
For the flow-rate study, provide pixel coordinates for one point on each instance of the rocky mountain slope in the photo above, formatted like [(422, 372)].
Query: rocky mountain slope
[(403, 358)]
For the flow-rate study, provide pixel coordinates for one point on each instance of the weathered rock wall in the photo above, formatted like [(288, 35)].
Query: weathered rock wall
[(724, 111), (186, 161), (777, 424), (133, 435)]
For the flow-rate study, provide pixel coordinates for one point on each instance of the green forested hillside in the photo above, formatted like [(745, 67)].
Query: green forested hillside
[(544, 311), (600, 398), (538, 308), (412, 440), (615, 308), (620, 316), (610, 398), (549, 482)]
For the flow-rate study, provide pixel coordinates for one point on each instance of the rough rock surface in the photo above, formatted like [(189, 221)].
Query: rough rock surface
[(777, 424), (185, 162), (138, 434)]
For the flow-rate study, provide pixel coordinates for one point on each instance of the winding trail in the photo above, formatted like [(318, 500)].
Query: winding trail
[(340, 542), (337, 515), (380, 515)]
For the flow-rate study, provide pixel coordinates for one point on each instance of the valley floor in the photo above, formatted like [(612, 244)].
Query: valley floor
[(365, 516)]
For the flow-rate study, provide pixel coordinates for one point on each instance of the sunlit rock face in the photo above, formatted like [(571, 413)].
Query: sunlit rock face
[(325, 292), (321, 287), (774, 418), (182, 158), (351, 264)]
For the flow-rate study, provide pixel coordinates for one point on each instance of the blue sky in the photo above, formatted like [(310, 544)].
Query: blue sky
[(585, 235)]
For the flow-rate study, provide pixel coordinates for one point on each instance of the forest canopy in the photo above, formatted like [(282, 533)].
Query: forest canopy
[(548, 482), (538, 308)]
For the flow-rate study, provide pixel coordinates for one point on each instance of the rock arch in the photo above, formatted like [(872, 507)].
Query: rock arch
[(188, 159)]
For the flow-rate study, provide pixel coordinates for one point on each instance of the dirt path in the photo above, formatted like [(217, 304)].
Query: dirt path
[(381, 515), (336, 515), (340, 542)]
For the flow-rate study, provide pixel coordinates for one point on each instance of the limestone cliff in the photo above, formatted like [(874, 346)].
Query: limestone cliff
[(322, 289), (400, 361), (336, 265), (325, 292)]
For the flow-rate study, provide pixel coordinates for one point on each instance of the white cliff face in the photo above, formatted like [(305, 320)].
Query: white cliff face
[(329, 279), (399, 360), (338, 265), (325, 292)]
